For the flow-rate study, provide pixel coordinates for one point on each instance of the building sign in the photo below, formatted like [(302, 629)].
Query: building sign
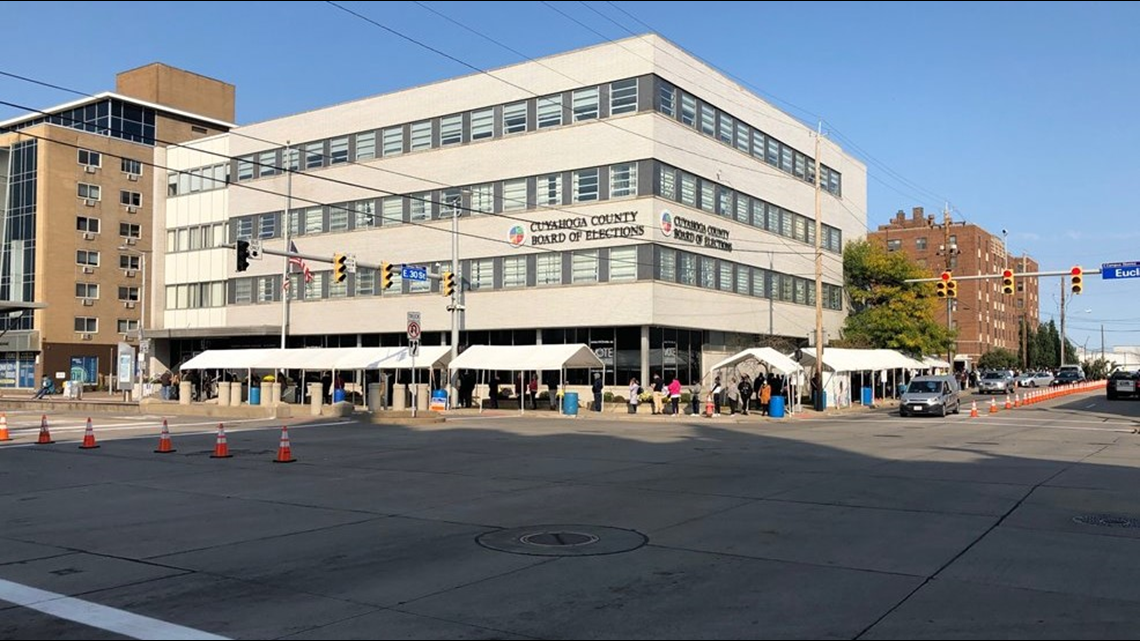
[(695, 232), (84, 369), (575, 229), (604, 350), (17, 373)]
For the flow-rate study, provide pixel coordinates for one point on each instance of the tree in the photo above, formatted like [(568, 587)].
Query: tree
[(885, 311), (1098, 368), (998, 358)]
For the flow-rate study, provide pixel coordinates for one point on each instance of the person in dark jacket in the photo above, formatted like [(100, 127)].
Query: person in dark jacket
[(597, 389), (745, 387)]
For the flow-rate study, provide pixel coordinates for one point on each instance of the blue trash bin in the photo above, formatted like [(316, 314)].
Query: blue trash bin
[(255, 396), (338, 395), (776, 407), (868, 397), (570, 403)]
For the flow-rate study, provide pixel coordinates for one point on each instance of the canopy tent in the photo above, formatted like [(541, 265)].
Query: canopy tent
[(931, 362), (841, 359), (328, 358), (774, 360), (528, 358)]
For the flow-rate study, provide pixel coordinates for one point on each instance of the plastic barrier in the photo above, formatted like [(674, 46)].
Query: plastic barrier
[(868, 397), (776, 407), (255, 396), (570, 403)]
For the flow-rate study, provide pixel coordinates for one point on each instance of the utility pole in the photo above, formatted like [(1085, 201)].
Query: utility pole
[(1102, 342), (1024, 322), (1062, 321), (818, 400), (949, 253), (455, 299), (285, 223)]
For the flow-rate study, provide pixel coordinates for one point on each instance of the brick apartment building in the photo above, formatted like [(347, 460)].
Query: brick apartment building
[(984, 317)]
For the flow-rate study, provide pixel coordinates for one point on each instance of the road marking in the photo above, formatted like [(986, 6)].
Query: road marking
[(97, 616)]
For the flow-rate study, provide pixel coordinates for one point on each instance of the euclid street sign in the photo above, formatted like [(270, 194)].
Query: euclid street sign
[(1113, 271)]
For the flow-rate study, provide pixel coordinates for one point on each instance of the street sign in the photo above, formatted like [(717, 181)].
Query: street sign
[(414, 273), (414, 326), (414, 349), (350, 264), (255, 250), (1114, 271)]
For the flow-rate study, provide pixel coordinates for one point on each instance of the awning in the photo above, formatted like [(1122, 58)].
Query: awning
[(329, 358), (839, 359), (528, 358), (777, 362), (929, 362)]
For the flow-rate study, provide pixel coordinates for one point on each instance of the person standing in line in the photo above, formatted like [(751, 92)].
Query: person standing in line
[(658, 387), (494, 390), (532, 391), (715, 396), (745, 388), (765, 398), (597, 389), (634, 390), (675, 395)]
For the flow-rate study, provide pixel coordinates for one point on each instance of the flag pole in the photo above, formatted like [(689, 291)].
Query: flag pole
[(285, 220)]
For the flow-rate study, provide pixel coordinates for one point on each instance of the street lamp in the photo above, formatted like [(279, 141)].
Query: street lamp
[(141, 253)]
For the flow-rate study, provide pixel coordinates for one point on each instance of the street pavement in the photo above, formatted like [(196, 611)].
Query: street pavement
[(1023, 524)]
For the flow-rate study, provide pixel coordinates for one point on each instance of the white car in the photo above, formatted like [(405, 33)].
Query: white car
[(1035, 379)]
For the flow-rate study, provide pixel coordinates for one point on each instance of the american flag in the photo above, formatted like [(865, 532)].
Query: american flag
[(298, 262)]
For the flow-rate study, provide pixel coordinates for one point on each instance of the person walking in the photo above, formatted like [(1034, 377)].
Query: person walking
[(675, 395), (596, 388)]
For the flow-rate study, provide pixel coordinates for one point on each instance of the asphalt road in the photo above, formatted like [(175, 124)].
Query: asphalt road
[(867, 525)]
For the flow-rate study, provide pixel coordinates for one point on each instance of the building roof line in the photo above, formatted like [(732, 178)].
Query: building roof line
[(110, 94)]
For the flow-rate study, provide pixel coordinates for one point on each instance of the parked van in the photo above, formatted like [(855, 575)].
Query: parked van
[(931, 395)]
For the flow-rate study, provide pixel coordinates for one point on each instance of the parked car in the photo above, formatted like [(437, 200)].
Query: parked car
[(995, 383), (936, 395), (1035, 379), (1124, 381)]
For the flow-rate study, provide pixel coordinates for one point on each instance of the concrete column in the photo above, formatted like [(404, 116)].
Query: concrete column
[(185, 391), (235, 394), (316, 397), (399, 397), (274, 394), (423, 396), (645, 380), (223, 394)]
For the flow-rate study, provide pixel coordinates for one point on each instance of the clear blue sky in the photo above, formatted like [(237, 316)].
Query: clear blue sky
[(1021, 115)]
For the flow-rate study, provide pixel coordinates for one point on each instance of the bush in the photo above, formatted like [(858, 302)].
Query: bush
[(608, 397)]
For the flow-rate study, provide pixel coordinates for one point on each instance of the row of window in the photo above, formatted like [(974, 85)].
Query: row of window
[(583, 185), (94, 159), (195, 237), (90, 258), (199, 179), (91, 290), (614, 264), (733, 132), (90, 325), (94, 225), (87, 191), (112, 117)]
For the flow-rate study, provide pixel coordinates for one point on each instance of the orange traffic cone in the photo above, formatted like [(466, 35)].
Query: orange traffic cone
[(164, 445), (974, 409), (1008, 405), (1017, 400), (88, 437), (709, 407), (45, 435), (221, 448), (993, 406), (4, 427), (284, 452)]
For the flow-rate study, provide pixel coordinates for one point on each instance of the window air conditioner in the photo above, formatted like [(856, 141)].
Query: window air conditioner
[(130, 273), (88, 202), (88, 236), (130, 304), (87, 269), (133, 177), (132, 241), (87, 302), (131, 209), (85, 337), (90, 169)]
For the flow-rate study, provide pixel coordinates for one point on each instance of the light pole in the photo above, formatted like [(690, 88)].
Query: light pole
[(143, 360)]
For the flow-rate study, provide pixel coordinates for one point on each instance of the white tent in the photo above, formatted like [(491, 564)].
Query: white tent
[(842, 361), (329, 358), (774, 360), (933, 362), (528, 358)]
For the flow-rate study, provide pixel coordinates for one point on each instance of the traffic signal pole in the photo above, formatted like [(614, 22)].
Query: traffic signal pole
[(1062, 322)]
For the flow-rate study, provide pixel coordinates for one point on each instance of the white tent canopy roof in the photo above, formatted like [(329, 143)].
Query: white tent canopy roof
[(840, 359), (528, 358), (932, 361), (777, 362), (329, 358)]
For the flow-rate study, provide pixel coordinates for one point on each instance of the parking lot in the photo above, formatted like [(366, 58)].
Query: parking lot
[(867, 525)]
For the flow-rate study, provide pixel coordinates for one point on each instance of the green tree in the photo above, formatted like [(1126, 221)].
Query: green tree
[(885, 311), (1028, 355), (1098, 368), (998, 358)]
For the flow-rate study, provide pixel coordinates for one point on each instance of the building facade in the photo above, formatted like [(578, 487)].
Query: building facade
[(985, 318), (625, 196), (78, 192)]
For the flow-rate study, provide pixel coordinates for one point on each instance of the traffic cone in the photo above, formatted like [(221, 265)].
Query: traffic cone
[(974, 409), (709, 407), (221, 448), (88, 437), (4, 427), (164, 445), (284, 452), (993, 406), (1017, 400), (45, 435), (1008, 405)]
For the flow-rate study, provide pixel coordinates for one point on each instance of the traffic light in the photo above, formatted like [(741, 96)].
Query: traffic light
[(951, 289), (1007, 285), (940, 288), (339, 269), (447, 283), (386, 275), (1077, 280), (242, 255)]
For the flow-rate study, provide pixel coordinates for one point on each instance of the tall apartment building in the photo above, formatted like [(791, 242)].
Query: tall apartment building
[(77, 199), (626, 196), (984, 317)]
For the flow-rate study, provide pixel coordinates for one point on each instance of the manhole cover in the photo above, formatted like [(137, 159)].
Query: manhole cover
[(562, 540), (1107, 520)]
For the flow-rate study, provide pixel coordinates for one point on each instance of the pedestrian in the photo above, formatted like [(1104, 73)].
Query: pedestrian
[(675, 395), (532, 391), (765, 398), (46, 387), (552, 390), (732, 393), (164, 380), (494, 390), (715, 396), (597, 389), (658, 389), (634, 391), (745, 388)]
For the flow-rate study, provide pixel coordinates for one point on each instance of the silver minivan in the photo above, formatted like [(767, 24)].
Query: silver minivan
[(931, 395)]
